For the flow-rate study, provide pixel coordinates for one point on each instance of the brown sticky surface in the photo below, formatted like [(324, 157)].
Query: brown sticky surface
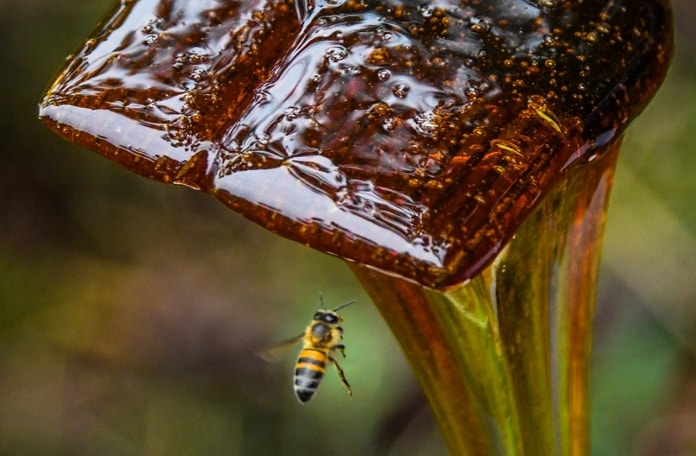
[(413, 137)]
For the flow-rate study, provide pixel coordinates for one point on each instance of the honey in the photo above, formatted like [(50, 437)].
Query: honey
[(412, 137)]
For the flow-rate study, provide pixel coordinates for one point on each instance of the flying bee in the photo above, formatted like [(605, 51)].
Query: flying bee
[(320, 343)]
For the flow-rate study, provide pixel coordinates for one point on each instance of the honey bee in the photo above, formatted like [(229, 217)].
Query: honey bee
[(320, 343)]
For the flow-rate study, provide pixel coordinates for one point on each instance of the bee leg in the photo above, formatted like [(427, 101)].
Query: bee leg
[(341, 349), (343, 376)]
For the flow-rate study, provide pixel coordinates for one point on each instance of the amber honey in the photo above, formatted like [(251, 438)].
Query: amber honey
[(411, 137)]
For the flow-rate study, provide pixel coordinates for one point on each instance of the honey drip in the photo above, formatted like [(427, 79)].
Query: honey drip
[(411, 137)]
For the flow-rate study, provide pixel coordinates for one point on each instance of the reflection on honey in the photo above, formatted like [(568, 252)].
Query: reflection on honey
[(412, 137)]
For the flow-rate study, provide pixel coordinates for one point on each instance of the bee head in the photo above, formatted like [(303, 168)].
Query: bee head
[(327, 316)]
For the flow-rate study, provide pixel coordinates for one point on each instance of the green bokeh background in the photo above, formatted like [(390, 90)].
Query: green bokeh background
[(132, 313)]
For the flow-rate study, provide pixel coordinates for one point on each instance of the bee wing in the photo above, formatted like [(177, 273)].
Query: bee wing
[(278, 351)]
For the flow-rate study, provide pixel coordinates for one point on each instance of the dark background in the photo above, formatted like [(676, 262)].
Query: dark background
[(131, 312)]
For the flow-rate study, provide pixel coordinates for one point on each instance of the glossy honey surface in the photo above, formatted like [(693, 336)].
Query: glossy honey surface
[(413, 137)]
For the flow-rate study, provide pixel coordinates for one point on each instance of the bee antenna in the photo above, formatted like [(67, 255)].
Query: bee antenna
[(343, 305), (321, 300)]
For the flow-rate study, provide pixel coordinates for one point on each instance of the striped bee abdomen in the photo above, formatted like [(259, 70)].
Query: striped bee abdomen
[(309, 371)]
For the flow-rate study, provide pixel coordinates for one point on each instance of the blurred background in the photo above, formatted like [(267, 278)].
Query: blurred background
[(131, 313)]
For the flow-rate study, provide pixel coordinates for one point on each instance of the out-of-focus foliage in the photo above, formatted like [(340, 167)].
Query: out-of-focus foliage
[(131, 312)]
